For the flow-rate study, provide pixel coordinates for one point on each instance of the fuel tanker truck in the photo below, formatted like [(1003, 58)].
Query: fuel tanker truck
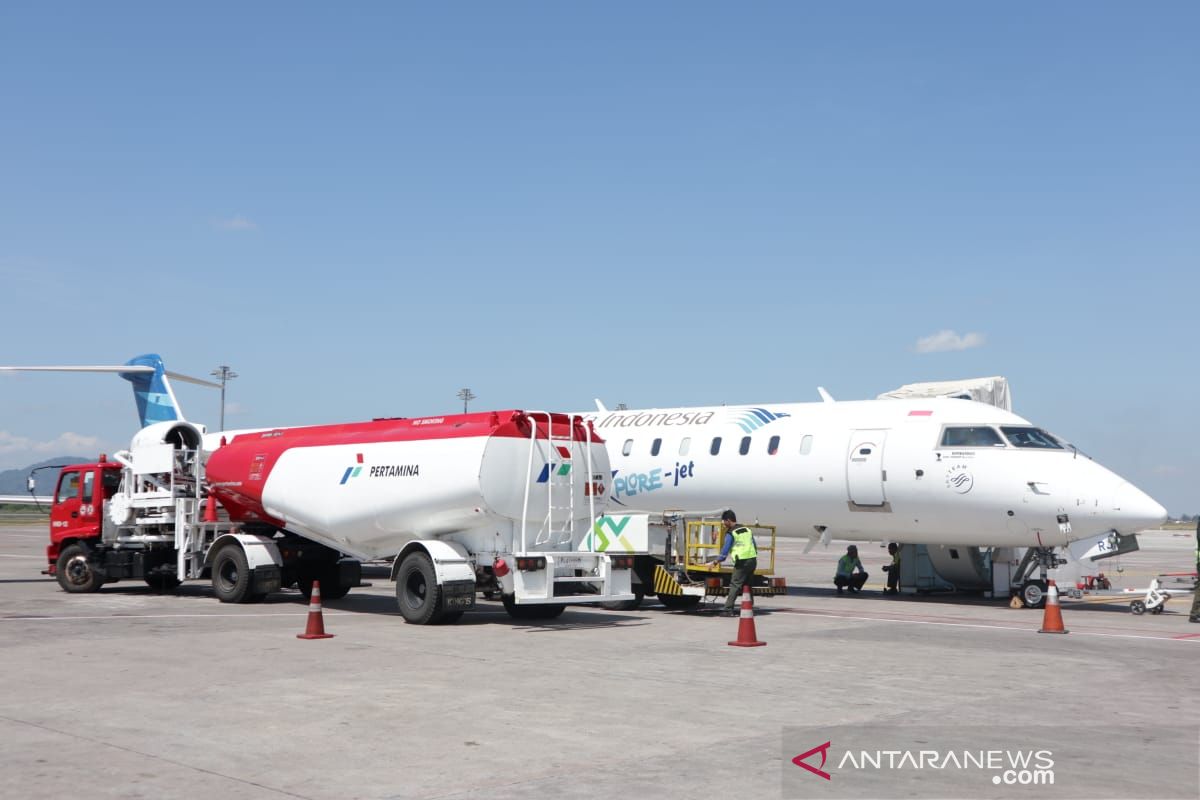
[(500, 503)]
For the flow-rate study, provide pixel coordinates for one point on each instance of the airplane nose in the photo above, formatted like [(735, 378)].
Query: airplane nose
[(1135, 509)]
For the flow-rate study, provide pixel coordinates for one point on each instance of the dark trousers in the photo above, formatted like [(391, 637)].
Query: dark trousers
[(855, 581), (743, 571), (893, 583), (1196, 600)]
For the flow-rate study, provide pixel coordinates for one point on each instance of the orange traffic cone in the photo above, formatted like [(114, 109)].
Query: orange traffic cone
[(210, 509), (316, 623), (1052, 621), (746, 634)]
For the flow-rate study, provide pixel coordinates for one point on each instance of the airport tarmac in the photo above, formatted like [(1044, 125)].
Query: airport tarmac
[(127, 693)]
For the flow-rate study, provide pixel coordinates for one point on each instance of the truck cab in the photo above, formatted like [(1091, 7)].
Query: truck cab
[(76, 518)]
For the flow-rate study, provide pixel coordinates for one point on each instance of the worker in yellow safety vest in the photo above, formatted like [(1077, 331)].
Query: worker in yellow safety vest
[(739, 543), (846, 577)]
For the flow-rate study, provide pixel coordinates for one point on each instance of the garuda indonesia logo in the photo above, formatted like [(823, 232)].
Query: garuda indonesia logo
[(563, 467), (751, 419)]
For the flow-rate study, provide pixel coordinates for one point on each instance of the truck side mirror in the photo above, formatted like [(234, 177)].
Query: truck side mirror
[(31, 483)]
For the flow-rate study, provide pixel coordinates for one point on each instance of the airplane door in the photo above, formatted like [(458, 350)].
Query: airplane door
[(864, 468)]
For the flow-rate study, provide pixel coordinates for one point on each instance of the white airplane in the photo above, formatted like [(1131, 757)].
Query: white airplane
[(933, 471)]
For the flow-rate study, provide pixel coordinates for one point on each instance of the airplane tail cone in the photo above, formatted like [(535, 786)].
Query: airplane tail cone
[(747, 637), (210, 509), (316, 623), (1052, 621)]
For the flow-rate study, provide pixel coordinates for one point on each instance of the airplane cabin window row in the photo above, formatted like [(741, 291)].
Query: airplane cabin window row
[(744, 445)]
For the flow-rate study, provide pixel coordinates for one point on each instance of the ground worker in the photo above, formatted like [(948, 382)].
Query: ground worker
[(846, 577), (893, 570), (739, 542)]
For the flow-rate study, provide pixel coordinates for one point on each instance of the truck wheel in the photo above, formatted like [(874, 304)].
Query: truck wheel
[(539, 611), (679, 602), (75, 573), (417, 591), (625, 605), (231, 575), (1137, 607), (330, 588), (1033, 594), (162, 583)]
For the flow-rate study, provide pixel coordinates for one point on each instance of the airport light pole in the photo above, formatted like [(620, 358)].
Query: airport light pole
[(466, 395), (225, 374)]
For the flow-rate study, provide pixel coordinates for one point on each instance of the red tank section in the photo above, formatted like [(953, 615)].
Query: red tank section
[(237, 472)]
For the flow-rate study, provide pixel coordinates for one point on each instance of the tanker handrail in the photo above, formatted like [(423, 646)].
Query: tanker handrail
[(533, 430), (534, 416)]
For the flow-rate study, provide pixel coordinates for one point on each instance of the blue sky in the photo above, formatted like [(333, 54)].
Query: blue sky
[(364, 207)]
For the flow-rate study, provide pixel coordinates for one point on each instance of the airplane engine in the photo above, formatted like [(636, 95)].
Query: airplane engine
[(179, 434)]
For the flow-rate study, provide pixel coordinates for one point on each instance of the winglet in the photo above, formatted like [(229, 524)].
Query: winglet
[(826, 396), (600, 406)]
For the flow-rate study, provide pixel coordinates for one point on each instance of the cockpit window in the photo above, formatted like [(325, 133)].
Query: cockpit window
[(1031, 437), (977, 436)]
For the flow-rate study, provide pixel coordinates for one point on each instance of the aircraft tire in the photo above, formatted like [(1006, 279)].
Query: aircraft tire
[(75, 572), (1033, 593), (418, 593)]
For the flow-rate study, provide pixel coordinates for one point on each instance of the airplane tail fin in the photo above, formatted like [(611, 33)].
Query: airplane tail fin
[(152, 390)]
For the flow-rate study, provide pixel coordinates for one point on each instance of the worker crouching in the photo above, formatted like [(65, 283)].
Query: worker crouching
[(847, 577)]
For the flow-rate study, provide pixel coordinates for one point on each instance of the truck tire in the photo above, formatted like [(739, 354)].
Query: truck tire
[(625, 605), (418, 594), (75, 572), (1033, 593), (231, 578), (162, 583), (679, 602), (539, 611)]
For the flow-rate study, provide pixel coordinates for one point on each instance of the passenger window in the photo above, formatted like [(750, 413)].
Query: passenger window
[(654, 446), (685, 444), (716, 446), (1031, 437), (806, 445), (745, 448), (628, 448), (68, 486), (773, 446), (89, 479), (978, 436)]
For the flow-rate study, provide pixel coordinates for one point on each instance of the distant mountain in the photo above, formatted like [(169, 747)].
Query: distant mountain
[(12, 481)]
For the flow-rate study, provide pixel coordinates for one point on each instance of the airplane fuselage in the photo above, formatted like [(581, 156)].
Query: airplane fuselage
[(933, 471)]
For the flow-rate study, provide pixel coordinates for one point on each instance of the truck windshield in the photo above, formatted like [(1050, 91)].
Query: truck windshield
[(971, 436), (1031, 437)]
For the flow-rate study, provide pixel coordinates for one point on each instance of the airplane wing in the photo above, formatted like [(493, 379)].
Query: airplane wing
[(24, 499)]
